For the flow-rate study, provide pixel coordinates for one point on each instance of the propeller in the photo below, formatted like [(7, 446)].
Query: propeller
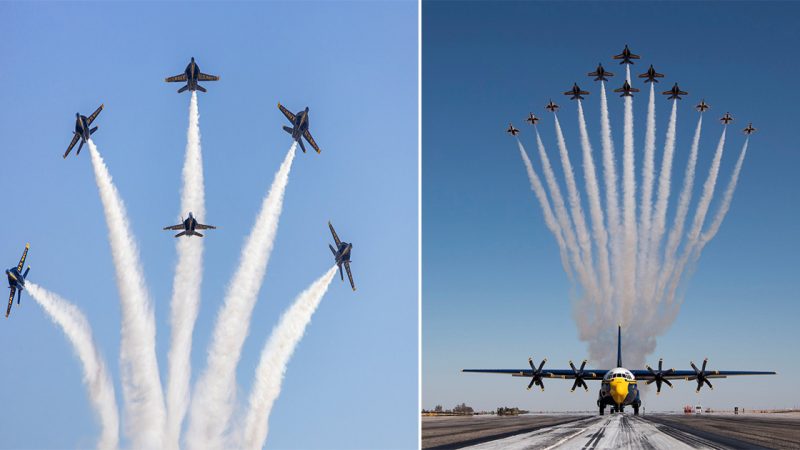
[(700, 375), (536, 378), (658, 377), (579, 380)]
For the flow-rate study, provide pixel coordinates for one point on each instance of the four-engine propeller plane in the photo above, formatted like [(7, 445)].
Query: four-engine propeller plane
[(626, 89), (675, 92), (702, 106), (511, 130), (618, 387), (299, 128), (576, 93), (342, 255), (16, 279), (191, 76), (651, 75), (82, 130), (600, 73), (626, 56), (190, 227)]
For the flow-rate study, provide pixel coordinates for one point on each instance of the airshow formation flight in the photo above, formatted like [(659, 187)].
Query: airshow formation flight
[(601, 74), (191, 76), (619, 386)]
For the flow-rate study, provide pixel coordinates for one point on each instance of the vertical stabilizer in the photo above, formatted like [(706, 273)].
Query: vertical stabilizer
[(619, 346)]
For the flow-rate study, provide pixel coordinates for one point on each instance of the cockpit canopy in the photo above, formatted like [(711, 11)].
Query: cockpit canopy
[(618, 372)]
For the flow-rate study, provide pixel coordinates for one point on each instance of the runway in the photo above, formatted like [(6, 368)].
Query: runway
[(655, 431)]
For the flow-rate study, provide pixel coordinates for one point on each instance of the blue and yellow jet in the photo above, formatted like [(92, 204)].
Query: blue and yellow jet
[(82, 130), (342, 255), (299, 128), (191, 75), (16, 279), (618, 387)]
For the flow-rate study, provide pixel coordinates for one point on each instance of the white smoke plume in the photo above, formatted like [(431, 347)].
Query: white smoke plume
[(215, 392), (612, 195), (726, 201), (275, 358), (629, 253), (141, 386), (186, 284), (95, 374), (648, 175)]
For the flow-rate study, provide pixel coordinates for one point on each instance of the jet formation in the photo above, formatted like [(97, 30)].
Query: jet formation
[(342, 255), (601, 74), (16, 279), (190, 227), (82, 130), (191, 76)]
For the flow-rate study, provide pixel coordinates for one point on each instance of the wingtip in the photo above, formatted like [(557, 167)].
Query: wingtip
[(28, 245)]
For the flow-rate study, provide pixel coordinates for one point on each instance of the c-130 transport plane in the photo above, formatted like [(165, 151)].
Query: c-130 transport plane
[(618, 387)]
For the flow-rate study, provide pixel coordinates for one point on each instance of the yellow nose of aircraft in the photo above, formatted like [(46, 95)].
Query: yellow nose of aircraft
[(619, 390)]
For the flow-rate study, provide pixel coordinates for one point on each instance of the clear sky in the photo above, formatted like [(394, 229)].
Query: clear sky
[(352, 382), (493, 287)]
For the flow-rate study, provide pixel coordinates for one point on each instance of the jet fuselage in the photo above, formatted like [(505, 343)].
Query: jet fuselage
[(300, 124), (15, 279)]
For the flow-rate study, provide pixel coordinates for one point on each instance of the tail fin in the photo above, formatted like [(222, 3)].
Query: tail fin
[(619, 346), (332, 249), (289, 130), (200, 88), (79, 148), (182, 233), (93, 130), (24, 275), (183, 89)]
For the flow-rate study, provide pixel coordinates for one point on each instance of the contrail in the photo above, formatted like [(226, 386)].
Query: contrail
[(648, 175), (629, 212), (561, 213), (186, 285), (95, 374), (612, 196), (275, 358), (215, 392), (699, 217), (660, 214), (141, 386), (595, 209), (584, 240), (726, 201), (549, 219)]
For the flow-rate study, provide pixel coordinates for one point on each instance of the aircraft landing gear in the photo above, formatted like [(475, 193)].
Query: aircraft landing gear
[(635, 410), (602, 409)]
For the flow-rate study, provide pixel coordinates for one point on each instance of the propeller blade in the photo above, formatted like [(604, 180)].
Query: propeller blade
[(583, 364), (705, 361), (658, 386), (530, 361), (660, 361), (694, 367), (708, 383), (573, 366), (533, 380), (650, 381), (541, 384), (668, 383), (542, 365)]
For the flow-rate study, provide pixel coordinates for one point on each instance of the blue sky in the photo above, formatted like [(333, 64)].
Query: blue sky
[(353, 379), (493, 287)]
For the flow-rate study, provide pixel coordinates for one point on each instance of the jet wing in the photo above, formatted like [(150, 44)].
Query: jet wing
[(24, 255), (584, 92), (71, 144), (200, 226), (349, 275), (686, 374), (207, 77), (10, 300), (177, 78), (565, 374), (335, 237), (286, 113), (175, 227), (310, 140), (91, 118)]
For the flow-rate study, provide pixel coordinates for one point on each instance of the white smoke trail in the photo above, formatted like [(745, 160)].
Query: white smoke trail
[(673, 278), (612, 196), (648, 175), (584, 240), (660, 213), (186, 284), (141, 386), (215, 392), (95, 374), (561, 213), (595, 209), (628, 287), (549, 219), (683, 208), (275, 359), (726, 202)]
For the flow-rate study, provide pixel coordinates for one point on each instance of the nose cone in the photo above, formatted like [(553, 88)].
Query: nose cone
[(619, 390)]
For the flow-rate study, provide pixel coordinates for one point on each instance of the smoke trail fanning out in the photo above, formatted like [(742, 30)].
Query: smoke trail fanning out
[(95, 374), (213, 401), (141, 386), (632, 280), (187, 282), (275, 358)]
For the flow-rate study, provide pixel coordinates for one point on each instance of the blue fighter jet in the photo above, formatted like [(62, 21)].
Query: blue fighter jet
[(16, 280), (342, 255)]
